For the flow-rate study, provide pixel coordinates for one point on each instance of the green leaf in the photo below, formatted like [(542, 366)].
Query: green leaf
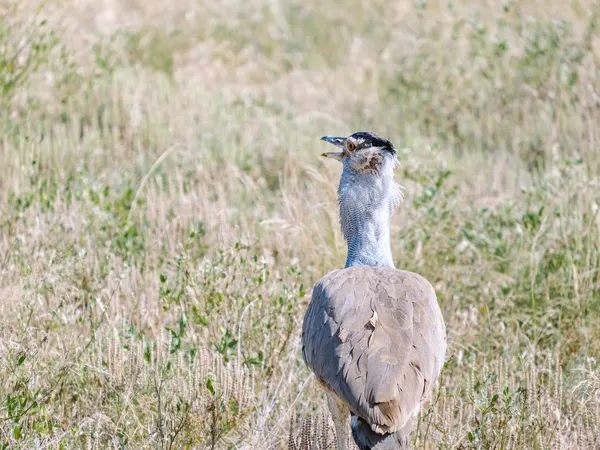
[(209, 386), (202, 320)]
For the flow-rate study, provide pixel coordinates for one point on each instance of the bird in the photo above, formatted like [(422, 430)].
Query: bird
[(373, 335)]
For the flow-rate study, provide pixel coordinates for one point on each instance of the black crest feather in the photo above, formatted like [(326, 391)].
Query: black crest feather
[(373, 140)]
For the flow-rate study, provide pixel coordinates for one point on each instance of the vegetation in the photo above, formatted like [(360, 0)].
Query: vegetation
[(164, 214)]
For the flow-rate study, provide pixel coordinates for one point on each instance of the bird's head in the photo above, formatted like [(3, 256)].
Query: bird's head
[(362, 152), (367, 195)]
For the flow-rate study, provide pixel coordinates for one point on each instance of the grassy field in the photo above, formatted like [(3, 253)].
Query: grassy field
[(164, 214)]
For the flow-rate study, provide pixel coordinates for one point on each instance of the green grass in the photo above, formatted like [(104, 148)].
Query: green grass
[(164, 215)]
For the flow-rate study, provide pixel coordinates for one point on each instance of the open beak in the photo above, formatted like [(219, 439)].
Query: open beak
[(339, 142)]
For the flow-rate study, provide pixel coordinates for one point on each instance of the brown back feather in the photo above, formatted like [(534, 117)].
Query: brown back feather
[(375, 337)]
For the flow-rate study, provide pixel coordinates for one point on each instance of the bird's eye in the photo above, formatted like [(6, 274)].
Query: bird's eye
[(350, 145)]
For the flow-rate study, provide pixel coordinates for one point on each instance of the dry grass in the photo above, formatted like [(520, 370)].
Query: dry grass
[(164, 214)]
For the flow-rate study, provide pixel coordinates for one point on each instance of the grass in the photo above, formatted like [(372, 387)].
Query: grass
[(164, 214)]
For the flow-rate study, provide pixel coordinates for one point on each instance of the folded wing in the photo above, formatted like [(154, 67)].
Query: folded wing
[(375, 337)]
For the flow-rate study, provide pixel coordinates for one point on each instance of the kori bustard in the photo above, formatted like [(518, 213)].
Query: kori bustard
[(373, 335)]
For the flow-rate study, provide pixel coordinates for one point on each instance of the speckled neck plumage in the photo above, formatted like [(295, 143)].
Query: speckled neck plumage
[(367, 201)]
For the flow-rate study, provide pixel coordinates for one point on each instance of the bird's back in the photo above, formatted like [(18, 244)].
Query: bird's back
[(375, 337)]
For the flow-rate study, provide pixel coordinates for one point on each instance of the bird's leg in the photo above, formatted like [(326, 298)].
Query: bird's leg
[(341, 419)]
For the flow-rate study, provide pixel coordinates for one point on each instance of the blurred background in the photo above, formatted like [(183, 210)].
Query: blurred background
[(164, 213)]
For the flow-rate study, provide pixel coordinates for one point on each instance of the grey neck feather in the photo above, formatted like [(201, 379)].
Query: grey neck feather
[(367, 201)]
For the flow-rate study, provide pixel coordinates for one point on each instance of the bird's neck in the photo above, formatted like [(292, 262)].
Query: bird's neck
[(370, 245), (366, 205)]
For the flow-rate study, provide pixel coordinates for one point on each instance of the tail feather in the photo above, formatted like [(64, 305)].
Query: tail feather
[(367, 439)]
